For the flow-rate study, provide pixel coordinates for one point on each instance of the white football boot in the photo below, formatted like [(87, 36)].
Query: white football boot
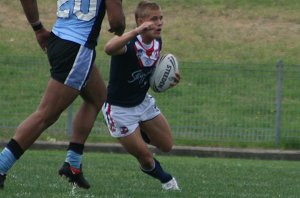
[(171, 185)]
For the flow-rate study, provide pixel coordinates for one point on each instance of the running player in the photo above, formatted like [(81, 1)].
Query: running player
[(129, 109), (70, 47)]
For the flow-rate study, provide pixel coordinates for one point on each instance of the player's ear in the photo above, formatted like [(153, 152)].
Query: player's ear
[(139, 21)]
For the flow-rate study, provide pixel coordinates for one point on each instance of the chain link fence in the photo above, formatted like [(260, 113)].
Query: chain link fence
[(214, 102), (237, 103)]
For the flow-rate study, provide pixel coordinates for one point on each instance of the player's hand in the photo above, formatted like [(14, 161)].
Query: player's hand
[(146, 26), (176, 79), (42, 36), (116, 17), (118, 30)]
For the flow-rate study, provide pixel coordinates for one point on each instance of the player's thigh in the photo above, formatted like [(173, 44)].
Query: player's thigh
[(159, 132), (135, 145), (56, 99), (95, 90)]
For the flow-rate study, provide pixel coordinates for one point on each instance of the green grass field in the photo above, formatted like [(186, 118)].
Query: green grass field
[(118, 176), (252, 34)]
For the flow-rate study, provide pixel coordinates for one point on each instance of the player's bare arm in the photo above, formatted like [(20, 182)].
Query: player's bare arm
[(117, 45), (31, 11), (115, 16)]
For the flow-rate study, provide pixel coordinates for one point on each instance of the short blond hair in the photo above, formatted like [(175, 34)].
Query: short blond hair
[(143, 6)]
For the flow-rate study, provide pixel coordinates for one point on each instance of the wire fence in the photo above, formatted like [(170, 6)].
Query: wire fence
[(214, 102)]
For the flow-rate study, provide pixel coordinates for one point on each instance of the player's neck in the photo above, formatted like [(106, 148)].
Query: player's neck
[(146, 40)]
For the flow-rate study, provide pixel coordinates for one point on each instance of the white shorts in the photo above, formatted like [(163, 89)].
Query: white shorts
[(122, 121)]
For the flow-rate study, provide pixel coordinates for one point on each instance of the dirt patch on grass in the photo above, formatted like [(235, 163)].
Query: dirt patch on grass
[(234, 24), (209, 29), (204, 28), (13, 17)]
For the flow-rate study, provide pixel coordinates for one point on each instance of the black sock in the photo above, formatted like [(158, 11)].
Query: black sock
[(15, 148), (78, 148), (159, 173)]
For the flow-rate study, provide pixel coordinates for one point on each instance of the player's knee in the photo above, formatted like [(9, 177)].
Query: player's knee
[(47, 119), (97, 103), (146, 161), (101, 101), (166, 147)]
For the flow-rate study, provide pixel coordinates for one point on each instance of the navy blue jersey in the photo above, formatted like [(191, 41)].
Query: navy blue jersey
[(79, 21), (130, 73)]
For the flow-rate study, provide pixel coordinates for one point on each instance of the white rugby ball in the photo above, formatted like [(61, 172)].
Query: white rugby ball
[(164, 73)]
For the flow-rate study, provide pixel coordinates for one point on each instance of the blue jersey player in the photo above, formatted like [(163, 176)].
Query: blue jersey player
[(70, 47), (130, 113)]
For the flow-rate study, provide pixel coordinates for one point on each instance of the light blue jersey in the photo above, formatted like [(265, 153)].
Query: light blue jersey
[(79, 21)]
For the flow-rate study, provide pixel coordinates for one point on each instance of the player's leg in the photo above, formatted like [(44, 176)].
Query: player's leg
[(94, 95), (145, 137), (158, 132), (72, 64), (123, 123), (135, 145), (156, 128), (57, 98)]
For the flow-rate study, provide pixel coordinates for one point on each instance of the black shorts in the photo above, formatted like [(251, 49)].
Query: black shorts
[(71, 63)]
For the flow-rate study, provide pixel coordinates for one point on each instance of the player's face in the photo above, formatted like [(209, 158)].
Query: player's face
[(156, 17)]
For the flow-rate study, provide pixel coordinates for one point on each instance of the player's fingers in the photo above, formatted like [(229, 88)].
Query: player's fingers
[(43, 46), (148, 25), (177, 77), (173, 84)]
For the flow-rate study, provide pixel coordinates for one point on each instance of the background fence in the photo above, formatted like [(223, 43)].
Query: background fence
[(215, 102)]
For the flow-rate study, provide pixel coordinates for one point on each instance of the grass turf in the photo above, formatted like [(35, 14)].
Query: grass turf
[(118, 175)]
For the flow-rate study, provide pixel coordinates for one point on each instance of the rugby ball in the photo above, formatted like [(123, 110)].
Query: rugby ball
[(164, 73)]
